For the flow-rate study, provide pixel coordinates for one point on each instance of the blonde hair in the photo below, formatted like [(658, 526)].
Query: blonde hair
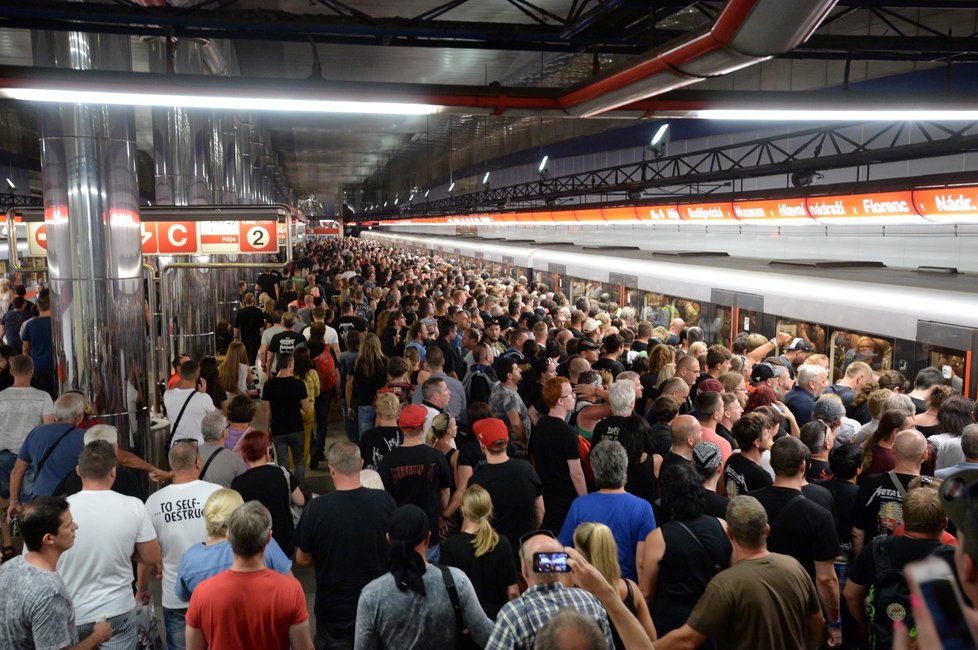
[(438, 429), (387, 406), (230, 369), (217, 510), (477, 507), (597, 544)]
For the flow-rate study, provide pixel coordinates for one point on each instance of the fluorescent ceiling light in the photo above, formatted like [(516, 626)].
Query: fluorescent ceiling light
[(451, 187), (659, 134), (843, 114), (426, 193), (11, 184), (485, 179), (543, 164), (285, 104)]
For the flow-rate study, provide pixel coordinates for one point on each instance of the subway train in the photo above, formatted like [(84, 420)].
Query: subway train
[(898, 318)]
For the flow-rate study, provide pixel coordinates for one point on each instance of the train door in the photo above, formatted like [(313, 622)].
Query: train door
[(625, 291), (949, 348), (732, 312)]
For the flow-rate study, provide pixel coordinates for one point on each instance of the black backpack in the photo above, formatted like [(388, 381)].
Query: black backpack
[(478, 386), (889, 595)]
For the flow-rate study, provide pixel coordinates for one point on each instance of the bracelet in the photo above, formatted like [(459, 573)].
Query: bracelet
[(774, 341), (834, 626)]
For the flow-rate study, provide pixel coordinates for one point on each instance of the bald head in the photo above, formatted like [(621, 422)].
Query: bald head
[(538, 544), (909, 446), (686, 432)]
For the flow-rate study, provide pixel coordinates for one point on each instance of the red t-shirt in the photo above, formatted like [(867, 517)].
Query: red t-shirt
[(247, 610), (721, 442)]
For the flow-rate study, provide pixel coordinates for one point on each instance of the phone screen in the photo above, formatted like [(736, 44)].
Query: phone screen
[(942, 602), (550, 563)]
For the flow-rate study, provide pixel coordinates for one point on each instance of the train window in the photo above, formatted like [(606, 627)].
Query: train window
[(952, 364), (660, 309), (717, 329), (811, 332), (846, 347)]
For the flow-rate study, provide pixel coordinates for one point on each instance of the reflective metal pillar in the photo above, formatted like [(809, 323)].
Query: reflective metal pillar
[(91, 210), (182, 141)]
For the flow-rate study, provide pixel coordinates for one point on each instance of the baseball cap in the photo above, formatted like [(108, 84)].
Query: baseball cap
[(412, 416), (828, 409), (706, 456), (490, 321), (492, 433), (505, 322), (801, 345), (590, 325), (710, 385), (588, 344), (959, 496), (761, 372)]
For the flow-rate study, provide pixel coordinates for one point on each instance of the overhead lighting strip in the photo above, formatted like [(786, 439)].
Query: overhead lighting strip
[(285, 104)]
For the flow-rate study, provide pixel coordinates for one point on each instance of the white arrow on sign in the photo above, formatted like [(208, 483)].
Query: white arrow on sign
[(147, 235)]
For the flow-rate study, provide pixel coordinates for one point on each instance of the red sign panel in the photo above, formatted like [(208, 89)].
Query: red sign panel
[(258, 237), (887, 204), (947, 202), (148, 233), (779, 209), (175, 237), (701, 211)]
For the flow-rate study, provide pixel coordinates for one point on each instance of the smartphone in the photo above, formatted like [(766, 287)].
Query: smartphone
[(939, 590), (550, 563)]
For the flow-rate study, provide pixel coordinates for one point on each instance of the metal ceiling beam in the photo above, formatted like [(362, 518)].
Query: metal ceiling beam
[(817, 149)]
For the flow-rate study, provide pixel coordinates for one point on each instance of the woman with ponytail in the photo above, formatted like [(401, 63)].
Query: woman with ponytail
[(410, 606), (479, 551), (597, 544)]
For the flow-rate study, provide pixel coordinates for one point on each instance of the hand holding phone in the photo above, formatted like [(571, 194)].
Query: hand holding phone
[(555, 562), (942, 620)]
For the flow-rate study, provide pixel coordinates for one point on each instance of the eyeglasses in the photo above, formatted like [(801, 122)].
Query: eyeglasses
[(192, 441), (534, 533)]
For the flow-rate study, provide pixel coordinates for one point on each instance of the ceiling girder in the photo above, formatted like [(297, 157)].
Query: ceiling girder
[(817, 149)]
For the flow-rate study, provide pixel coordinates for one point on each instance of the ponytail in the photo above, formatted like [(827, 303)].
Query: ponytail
[(477, 507)]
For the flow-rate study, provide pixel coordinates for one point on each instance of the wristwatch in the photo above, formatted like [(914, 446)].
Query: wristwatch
[(834, 625)]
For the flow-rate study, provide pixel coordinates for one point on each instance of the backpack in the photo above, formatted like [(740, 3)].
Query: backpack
[(889, 596), (478, 386), (326, 368)]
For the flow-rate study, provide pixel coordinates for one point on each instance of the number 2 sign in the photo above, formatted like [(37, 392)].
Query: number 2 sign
[(258, 237)]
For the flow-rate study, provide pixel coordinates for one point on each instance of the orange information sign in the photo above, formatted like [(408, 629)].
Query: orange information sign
[(777, 209), (885, 204), (947, 202), (701, 211)]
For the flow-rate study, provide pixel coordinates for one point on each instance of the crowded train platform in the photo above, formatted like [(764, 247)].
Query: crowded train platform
[(400, 450)]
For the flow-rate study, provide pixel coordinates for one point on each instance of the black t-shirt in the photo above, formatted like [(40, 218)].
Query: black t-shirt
[(268, 282), (918, 404), (514, 487), (126, 483), (365, 387), (552, 444), (416, 475), (469, 451), (742, 475), (661, 438), (818, 470), (345, 532), (375, 443), (640, 346), (805, 530), (669, 460), (819, 495), (608, 428), (879, 504), (345, 325), (844, 500), (491, 574), (249, 320), (286, 341), (284, 395), (267, 485), (902, 551), (715, 505), (453, 361), (611, 365)]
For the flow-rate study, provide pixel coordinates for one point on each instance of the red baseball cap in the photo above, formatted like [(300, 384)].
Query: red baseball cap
[(412, 416), (492, 433)]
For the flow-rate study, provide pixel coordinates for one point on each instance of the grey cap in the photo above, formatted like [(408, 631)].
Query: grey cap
[(828, 409)]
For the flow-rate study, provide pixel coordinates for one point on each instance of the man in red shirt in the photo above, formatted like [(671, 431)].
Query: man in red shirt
[(248, 606)]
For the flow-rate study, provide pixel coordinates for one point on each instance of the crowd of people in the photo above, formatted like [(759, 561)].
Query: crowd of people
[(513, 470)]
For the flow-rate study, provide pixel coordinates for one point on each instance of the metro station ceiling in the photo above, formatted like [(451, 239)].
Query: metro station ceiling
[(492, 47)]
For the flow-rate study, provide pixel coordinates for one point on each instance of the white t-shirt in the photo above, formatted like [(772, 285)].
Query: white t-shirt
[(200, 405), (177, 514), (98, 569), (21, 409), (330, 337)]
